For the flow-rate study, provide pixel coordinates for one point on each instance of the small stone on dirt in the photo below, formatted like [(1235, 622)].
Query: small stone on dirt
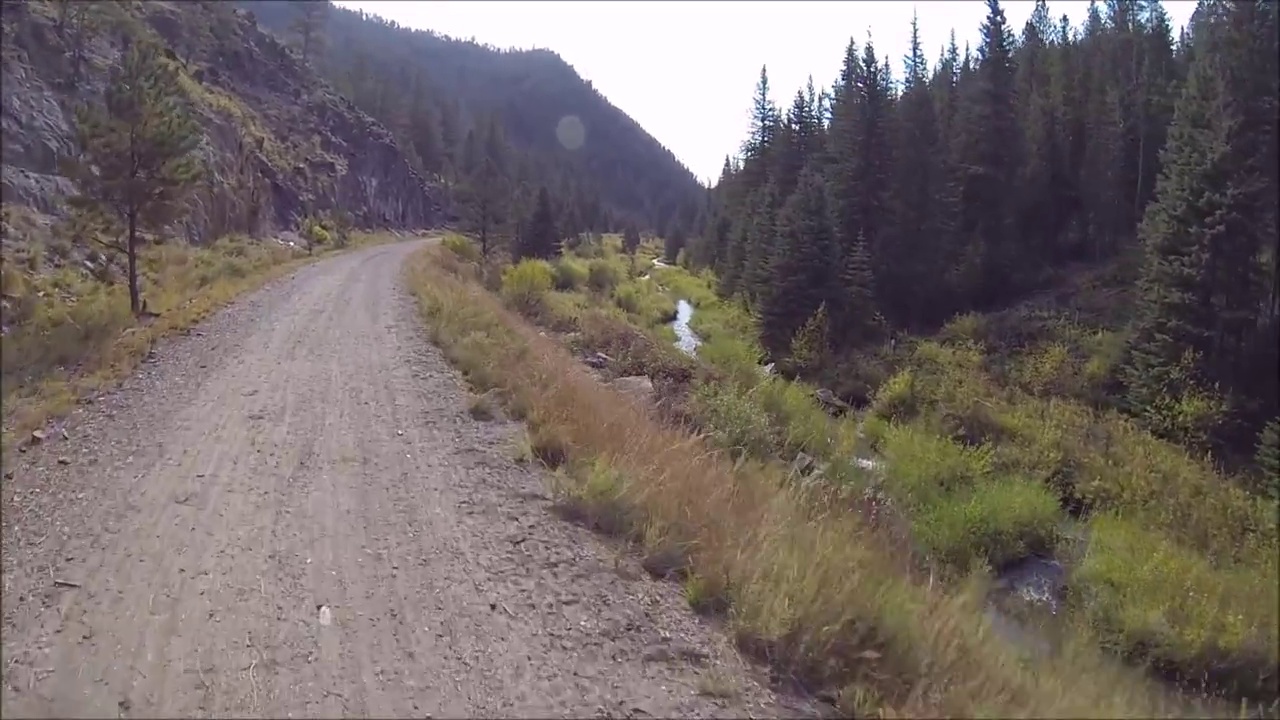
[(64, 461), (38, 436), (326, 615)]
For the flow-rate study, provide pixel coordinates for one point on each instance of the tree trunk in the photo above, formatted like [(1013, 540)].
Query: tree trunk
[(135, 299)]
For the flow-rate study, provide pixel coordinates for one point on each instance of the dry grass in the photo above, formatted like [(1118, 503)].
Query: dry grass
[(69, 334), (807, 586)]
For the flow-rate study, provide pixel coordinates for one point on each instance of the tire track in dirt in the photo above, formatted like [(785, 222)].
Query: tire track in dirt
[(289, 512)]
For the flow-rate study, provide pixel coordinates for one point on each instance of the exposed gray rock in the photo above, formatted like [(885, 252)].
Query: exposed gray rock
[(312, 149), (639, 387)]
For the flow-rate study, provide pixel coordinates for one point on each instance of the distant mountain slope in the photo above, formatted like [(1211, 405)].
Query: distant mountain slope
[(275, 135), (384, 67)]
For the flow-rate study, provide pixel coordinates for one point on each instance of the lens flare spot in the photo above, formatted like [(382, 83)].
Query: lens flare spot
[(571, 133)]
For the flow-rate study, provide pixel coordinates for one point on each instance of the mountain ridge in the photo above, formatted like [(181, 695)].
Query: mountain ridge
[(379, 63)]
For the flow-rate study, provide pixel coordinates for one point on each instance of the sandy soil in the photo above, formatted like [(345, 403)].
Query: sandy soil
[(289, 513)]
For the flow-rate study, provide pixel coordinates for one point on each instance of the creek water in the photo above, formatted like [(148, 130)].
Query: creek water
[(686, 339)]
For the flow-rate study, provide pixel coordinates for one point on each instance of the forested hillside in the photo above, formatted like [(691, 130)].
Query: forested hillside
[(1050, 161), (461, 106)]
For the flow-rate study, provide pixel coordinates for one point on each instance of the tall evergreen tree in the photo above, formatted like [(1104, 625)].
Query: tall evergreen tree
[(138, 158), (1201, 279), (540, 238), (308, 25), (988, 152), (803, 272)]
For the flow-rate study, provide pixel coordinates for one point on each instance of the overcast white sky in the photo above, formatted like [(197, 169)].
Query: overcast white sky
[(686, 70)]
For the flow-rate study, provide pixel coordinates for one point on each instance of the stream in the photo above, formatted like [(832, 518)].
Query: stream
[(686, 339)]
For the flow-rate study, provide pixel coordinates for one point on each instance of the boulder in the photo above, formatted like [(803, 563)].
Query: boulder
[(597, 360), (829, 400), (638, 387)]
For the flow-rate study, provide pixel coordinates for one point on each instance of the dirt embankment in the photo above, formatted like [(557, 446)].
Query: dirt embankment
[(290, 513)]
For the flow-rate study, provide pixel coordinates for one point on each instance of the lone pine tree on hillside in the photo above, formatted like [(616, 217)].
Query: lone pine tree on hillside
[(308, 25), (137, 154), (485, 192)]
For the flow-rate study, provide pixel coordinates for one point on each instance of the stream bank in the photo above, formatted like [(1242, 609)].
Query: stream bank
[(1026, 594)]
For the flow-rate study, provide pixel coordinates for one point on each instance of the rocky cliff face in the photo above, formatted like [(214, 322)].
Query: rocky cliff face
[(277, 138)]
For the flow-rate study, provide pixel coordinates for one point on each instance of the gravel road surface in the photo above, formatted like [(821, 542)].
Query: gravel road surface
[(288, 512)]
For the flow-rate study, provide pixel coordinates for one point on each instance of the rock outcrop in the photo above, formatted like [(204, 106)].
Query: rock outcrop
[(276, 137)]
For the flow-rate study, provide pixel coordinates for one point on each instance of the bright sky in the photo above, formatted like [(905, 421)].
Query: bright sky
[(686, 70)]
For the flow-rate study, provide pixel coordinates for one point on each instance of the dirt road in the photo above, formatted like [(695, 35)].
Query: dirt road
[(290, 513)]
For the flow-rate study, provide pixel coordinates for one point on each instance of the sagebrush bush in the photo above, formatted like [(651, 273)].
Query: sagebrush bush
[(524, 283)]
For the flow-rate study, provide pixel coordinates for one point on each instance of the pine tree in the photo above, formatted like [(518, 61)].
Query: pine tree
[(308, 25), (424, 129), (540, 238), (797, 143), (759, 243), (855, 298), (673, 243), (802, 276), (1201, 275), (765, 125), (912, 270), (485, 193), (138, 158), (988, 146), (630, 240)]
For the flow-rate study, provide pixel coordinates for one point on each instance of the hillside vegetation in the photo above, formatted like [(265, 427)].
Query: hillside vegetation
[(1035, 346), (151, 152)]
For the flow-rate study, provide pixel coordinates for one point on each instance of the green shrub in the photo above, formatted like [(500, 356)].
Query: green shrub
[(967, 327), (1143, 589), (525, 283), (921, 466), (641, 299), (896, 399), (462, 247), (561, 311), (993, 523), (570, 274), (602, 275), (809, 346), (315, 233), (1268, 459), (735, 418)]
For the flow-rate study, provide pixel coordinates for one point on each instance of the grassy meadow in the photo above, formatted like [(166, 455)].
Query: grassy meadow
[(872, 584)]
